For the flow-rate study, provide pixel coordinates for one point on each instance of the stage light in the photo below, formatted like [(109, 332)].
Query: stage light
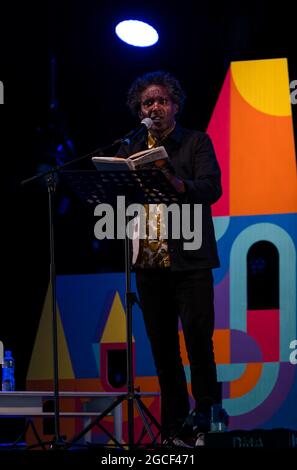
[(137, 33)]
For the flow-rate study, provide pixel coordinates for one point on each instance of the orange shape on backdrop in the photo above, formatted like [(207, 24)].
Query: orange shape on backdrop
[(262, 161), (183, 350), (247, 380), (221, 340), (222, 349)]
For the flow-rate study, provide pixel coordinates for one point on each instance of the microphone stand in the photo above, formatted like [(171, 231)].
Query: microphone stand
[(51, 183), (145, 125), (57, 168)]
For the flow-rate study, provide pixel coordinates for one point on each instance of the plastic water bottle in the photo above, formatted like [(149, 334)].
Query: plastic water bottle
[(218, 419), (8, 383)]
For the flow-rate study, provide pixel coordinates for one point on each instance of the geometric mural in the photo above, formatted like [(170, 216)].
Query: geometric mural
[(251, 129)]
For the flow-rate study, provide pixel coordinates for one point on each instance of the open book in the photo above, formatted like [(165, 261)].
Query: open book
[(134, 162)]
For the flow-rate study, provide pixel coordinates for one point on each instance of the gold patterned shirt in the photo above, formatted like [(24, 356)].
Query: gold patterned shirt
[(153, 253)]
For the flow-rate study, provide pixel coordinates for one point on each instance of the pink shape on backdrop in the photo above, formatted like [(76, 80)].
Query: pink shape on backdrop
[(219, 131), (263, 325)]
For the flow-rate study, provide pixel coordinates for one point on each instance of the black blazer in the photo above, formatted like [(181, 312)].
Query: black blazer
[(193, 158)]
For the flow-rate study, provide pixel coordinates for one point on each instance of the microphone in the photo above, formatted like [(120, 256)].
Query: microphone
[(146, 124)]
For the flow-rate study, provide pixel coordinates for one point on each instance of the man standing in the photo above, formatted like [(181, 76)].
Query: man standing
[(173, 283)]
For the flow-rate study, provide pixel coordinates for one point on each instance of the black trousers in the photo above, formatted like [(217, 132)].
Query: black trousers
[(165, 296)]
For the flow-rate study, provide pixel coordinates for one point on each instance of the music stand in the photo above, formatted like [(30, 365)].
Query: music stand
[(142, 187)]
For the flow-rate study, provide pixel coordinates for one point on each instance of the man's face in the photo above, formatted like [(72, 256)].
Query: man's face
[(157, 105)]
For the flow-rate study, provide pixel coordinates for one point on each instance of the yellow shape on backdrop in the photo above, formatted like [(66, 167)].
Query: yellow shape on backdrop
[(115, 327), (264, 85), (41, 364), (262, 151)]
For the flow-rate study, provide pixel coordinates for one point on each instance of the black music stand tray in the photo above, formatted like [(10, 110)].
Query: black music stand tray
[(141, 187)]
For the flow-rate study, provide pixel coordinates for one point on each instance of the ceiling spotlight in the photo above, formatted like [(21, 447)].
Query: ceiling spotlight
[(137, 33)]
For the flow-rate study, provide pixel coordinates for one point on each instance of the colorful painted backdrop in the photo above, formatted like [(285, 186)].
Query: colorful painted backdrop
[(255, 222)]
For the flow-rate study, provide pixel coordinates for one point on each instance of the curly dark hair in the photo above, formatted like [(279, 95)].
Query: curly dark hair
[(155, 78)]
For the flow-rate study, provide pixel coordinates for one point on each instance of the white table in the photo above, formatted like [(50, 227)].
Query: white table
[(30, 404)]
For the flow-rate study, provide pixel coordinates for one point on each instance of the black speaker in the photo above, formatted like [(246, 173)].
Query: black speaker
[(254, 439)]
